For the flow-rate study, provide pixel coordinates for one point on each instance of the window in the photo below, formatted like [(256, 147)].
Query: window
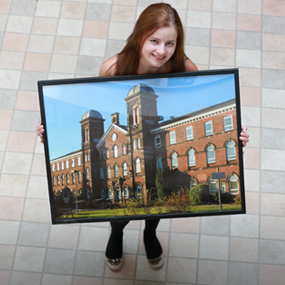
[(124, 149), (79, 161), (191, 158), (193, 182), (54, 181), (79, 176), (139, 191), (231, 151), (100, 155), (103, 194), (73, 177), (223, 186), (138, 165), (139, 143), (208, 128), (85, 157), (159, 162), (109, 171), (172, 137), (67, 178), (174, 161), (213, 186), (88, 156), (101, 173), (110, 192), (233, 184), (116, 168), (228, 123), (211, 154), (189, 133), (53, 167), (115, 149), (62, 179), (125, 169), (126, 192), (73, 163), (58, 179), (87, 173), (62, 165), (134, 144), (157, 141), (104, 155), (67, 164), (107, 153), (57, 165)]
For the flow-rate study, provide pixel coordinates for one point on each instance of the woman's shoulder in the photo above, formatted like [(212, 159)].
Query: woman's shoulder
[(190, 65), (108, 67)]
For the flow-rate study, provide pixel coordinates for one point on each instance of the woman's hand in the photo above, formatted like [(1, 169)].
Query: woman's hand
[(244, 136), (40, 130)]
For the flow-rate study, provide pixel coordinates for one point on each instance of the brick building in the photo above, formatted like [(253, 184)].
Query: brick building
[(123, 160)]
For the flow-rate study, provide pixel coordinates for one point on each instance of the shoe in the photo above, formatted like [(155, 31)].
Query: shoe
[(156, 263), (115, 264)]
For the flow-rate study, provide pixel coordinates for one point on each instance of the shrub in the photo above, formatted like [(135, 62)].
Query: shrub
[(237, 200), (198, 194)]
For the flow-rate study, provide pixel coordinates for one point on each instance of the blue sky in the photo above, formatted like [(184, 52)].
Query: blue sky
[(66, 104)]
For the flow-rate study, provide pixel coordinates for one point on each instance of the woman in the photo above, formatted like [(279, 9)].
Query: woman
[(155, 46)]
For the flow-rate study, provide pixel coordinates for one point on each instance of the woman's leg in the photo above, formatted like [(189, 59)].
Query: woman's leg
[(114, 248), (152, 245)]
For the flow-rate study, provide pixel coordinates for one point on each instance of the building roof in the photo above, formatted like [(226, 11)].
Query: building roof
[(140, 88), (92, 114)]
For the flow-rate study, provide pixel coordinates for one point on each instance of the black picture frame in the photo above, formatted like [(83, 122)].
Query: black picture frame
[(143, 146)]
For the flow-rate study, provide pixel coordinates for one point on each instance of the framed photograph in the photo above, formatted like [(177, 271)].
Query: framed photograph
[(143, 146)]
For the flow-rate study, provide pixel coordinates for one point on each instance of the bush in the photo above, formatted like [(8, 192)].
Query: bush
[(237, 200), (198, 194)]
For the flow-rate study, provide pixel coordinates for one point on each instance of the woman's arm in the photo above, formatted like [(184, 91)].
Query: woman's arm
[(108, 67)]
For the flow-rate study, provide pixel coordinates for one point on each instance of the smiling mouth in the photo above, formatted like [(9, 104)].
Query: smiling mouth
[(158, 58)]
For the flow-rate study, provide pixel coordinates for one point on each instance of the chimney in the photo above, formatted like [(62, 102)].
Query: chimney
[(115, 118)]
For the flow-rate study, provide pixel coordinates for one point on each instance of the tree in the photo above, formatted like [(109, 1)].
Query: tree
[(159, 183)]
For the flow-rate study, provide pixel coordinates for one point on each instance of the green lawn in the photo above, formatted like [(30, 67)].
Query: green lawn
[(153, 211)]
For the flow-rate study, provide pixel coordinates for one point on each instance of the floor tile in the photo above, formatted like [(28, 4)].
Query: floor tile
[(11, 60), (56, 279), (6, 256), (67, 45), (222, 56), (23, 7), (131, 241), (3, 139), (13, 185), (69, 27), (9, 232), (37, 62), (78, 280), (248, 58), (92, 47), (37, 210), (248, 40), (119, 31), (245, 226), (38, 165), (272, 227), (17, 163), (59, 261), (273, 8), (272, 252), (18, 278), (89, 65), (183, 225), (48, 9), (29, 259), (223, 38), (37, 187), (9, 79), (24, 120), (243, 273), (272, 181), (219, 6), (198, 54), (21, 141), (44, 26), (19, 24), (267, 141), (13, 41), (5, 119), (253, 7), (224, 21), (7, 99), (27, 101), (243, 249), (219, 225), (198, 19), (200, 5), (272, 204), (272, 24), (197, 36), (95, 29), (247, 22), (11, 208), (29, 81), (251, 116), (5, 6), (273, 60), (271, 274), (28, 237), (272, 159), (5, 276), (250, 77), (273, 42), (63, 63), (125, 2), (72, 10), (250, 96), (123, 14), (212, 272), (181, 270), (252, 203), (98, 12), (57, 238), (273, 79)]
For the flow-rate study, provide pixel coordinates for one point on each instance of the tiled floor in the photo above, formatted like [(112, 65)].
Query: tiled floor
[(43, 39)]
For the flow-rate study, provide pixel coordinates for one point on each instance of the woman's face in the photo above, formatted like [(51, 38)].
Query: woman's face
[(159, 47)]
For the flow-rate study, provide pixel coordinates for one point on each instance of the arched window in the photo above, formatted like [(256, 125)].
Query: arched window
[(174, 161), (124, 149), (115, 149), (103, 194), (87, 173), (80, 176), (125, 169), (138, 165), (233, 184), (139, 191), (191, 158), (139, 143), (62, 179), (67, 178), (211, 154), (126, 191), (134, 144), (138, 115), (110, 192), (159, 162), (101, 173), (58, 179), (231, 151), (109, 171), (116, 169), (73, 178), (54, 181), (193, 182), (213, 186), (86, 135)]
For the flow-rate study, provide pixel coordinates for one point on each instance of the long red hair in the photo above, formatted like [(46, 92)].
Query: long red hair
[(155, 16)]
